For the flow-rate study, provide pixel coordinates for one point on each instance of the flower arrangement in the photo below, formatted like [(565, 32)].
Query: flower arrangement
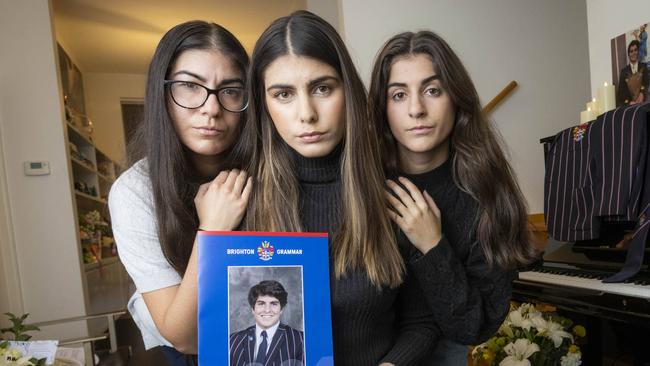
[(96, 236), (532, 336), (11, 356), (89, 224)]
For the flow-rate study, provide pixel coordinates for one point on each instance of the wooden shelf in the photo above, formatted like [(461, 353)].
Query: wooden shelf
[(80, 134), (83, 165), (105, 178), (89, 197)]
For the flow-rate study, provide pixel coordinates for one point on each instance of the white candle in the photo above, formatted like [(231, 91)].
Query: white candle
[(594, 106), (587, 116), (592, 114), (606, 98)]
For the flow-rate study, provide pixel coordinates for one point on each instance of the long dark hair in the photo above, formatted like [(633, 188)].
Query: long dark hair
[(479, 165), (174, 180), (365, 239)]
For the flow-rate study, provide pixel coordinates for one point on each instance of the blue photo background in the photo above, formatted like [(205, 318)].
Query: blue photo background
[(219, 250)]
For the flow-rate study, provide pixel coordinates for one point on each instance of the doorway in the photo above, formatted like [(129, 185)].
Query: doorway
[(132, 116)]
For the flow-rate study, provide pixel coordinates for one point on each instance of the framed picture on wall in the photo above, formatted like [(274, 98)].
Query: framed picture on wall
[(72, 85), (630, 61), (264, 299)]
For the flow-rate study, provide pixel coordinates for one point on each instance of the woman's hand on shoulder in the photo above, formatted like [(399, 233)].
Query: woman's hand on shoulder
[(415, 213), (221, 204)]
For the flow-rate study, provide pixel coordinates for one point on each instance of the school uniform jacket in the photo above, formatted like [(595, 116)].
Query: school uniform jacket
[(286, 348), (599, 170)]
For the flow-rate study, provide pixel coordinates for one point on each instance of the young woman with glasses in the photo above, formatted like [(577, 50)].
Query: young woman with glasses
[(316, 163), (194, 105), (453, 194)]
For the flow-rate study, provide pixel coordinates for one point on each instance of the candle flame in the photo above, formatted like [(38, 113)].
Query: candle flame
[(589, 109), (605, 83), (593, 99)]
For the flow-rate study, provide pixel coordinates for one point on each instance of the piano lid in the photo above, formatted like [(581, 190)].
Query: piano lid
[(561, 254)]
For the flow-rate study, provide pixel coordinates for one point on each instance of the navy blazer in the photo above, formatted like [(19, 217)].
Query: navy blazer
[(595, 171), (601, 170), (287, 347)]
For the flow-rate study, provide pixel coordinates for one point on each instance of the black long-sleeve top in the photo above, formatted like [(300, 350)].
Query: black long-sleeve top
[(370, 325), (469, 299)]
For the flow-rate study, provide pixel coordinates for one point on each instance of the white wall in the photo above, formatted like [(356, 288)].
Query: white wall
[(103, 94), (40, 208), (608, 19), (540, 44), (328, 10), (10, 291)]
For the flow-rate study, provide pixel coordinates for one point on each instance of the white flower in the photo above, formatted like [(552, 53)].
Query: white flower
[(13, 357), (529, 311), (571, 359), (552, 330), (516, 319), (539, 323), (505, 329), (518, 353), (24, 361)]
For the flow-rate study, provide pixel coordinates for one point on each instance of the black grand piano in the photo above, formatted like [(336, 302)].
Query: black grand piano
[(617, 315)]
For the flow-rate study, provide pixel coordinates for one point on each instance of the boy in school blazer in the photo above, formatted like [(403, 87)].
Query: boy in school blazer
[(268, 342)]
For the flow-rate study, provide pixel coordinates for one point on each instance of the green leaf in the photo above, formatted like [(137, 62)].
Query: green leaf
[(23, 337)]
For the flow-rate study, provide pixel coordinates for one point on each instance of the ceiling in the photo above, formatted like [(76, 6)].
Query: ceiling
[(120, 36)]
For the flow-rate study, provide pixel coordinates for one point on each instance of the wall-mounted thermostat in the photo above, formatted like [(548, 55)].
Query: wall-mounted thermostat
[(36, 167)]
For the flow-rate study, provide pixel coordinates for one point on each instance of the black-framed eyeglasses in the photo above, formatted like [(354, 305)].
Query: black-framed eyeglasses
[(191, 95)]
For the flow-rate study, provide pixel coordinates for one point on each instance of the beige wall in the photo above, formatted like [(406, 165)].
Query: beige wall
[(608, 19), (540, 44), (328, 10), (42, 219), (103, 95), (10, 292)]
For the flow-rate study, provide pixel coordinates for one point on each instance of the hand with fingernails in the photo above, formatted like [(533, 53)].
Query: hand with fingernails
[(415, 213), (221, 204)]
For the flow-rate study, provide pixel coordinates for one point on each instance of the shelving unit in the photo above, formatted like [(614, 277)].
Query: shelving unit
[(85, 196), (93, 171), (106, 285)]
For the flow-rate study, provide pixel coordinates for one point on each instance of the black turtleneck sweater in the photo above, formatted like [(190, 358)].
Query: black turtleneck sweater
[(469, 299), (369, 325)]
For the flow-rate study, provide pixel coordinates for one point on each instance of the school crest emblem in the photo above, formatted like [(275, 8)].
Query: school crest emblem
[(265, 251), (579, 132)]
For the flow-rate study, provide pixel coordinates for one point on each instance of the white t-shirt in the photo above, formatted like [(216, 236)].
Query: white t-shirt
[(133, 221)]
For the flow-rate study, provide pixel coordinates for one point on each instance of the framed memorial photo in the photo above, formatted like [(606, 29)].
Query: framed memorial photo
[(630, 72), (264, 299)]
